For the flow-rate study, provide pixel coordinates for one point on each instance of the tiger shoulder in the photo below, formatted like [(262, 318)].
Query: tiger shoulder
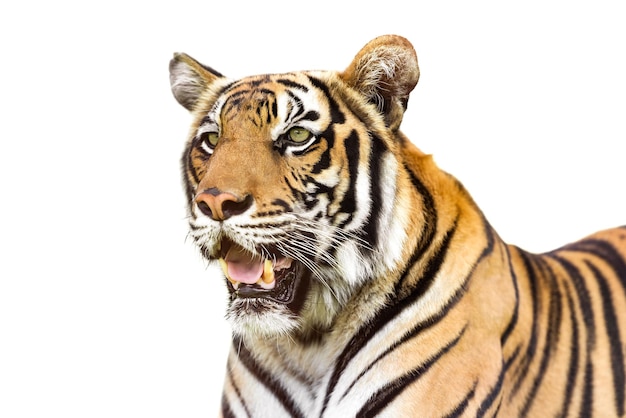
[(364, 281)]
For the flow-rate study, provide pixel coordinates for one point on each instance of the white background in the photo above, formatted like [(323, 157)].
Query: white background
[(107, 311)]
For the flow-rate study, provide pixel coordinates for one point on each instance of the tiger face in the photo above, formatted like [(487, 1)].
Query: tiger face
[(292, 183)]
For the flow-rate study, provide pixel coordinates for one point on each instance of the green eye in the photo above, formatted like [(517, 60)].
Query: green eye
[(298, 135), (210, 138)]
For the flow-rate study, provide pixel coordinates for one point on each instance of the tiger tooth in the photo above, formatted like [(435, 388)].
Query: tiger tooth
[(268, 272), (224, 267), (267, 286)]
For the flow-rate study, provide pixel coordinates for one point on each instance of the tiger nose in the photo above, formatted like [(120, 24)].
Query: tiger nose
[(220, 205)]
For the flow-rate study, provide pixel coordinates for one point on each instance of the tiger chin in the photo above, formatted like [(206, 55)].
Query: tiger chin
[(363, 280)]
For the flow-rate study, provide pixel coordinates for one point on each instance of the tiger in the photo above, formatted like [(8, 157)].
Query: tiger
[(362, 280)]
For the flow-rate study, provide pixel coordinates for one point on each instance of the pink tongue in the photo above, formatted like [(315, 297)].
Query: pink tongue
[(242, 267)]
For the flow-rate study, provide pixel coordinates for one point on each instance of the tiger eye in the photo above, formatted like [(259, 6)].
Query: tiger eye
[(211, 138), (298, 134)]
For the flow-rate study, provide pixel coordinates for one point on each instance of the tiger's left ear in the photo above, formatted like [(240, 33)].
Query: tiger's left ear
[(189, 79), (385, 71)]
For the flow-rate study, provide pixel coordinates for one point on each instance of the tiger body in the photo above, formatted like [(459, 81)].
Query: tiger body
[(363, 280)]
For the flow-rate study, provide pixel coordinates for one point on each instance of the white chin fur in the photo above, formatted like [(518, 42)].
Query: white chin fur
[(271, 322)]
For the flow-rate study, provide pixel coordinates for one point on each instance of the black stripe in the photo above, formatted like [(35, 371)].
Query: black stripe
[(555, 313), (253, 81), (574, 359), (606, 251), (348, 202), (494, 394), (508, 362), (514, 317), (430, 223), (206, 119), (267, 379), (311, 115), (324, 160), (265, 104), (430, 271), (587, 400), (296, 110), (295, 193), (613, 335), (497, 411), (233, 102), (385, 395), (535, 300), (226, 410), (378, 149), (292, 84), (584, 298), (551, 334), (458, 410), (337, 115), (584, 303), (237, 95), (280, 202)]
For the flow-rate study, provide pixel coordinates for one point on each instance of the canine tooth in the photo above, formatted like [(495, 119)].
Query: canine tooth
[(268, 272), (267, 286), (224, 267)]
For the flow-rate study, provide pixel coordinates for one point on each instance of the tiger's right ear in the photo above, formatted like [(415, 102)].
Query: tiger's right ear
[(189, 79), (385, 71)]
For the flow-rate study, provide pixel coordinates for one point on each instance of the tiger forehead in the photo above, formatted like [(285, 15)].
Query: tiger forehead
[(270, 99), (271, 83)]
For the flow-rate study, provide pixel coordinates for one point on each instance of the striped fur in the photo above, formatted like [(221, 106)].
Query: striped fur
[(393, 295)]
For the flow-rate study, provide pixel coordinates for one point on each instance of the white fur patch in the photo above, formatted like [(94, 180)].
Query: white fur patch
[(275, 320), (391, 224)]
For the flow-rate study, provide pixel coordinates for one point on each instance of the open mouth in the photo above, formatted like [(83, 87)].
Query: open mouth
[(277, 278)]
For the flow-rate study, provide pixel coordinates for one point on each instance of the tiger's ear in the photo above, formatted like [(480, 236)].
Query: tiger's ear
[(385, 71), (189, 78)]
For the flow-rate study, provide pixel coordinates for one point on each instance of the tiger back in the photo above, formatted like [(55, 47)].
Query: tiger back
[(364, 281)]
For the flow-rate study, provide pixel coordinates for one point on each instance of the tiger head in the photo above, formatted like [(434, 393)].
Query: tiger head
[(292, 183)]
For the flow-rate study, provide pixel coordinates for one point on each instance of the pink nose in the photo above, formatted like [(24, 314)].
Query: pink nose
[(221, 205)]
